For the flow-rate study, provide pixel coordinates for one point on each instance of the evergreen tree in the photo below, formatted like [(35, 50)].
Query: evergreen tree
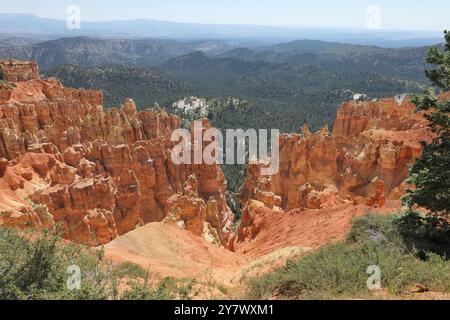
[(431, 173)]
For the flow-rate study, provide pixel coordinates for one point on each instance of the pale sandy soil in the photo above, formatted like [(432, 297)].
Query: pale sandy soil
[(168, 251)]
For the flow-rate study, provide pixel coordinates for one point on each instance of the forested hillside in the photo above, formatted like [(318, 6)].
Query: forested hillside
[(146, 85), (285, 95), (94, 52), (284, 85)]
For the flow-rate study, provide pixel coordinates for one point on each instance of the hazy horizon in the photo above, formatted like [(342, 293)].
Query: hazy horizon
[(321, 14)]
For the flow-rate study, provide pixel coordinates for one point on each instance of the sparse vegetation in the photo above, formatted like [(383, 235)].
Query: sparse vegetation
[(131, 270), (38, 266), (339, 270), (143, 290), (35, 266)]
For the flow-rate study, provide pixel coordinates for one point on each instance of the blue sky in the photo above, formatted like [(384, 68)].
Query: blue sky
[(395, 14)]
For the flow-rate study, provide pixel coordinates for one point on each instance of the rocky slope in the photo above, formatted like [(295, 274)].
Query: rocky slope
[(64, 160)]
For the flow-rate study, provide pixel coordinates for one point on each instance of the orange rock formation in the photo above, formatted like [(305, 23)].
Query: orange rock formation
[(366, 155), (364, 161), (16, 71), (99, 173)]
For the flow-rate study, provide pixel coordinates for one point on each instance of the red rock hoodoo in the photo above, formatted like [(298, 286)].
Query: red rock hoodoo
[(366, 155)]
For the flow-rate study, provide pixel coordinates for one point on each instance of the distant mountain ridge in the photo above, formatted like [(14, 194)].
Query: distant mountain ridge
[(15, 42), (301, 68), (89, 51), (406, 62), (285, 84), (31, 25)]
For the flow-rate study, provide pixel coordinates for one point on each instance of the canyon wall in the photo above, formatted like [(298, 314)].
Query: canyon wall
[(96, 173), (326, 179), (365, 158)]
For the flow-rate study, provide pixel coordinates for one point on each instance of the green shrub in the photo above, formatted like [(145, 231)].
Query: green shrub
[(167, 289), (143, 290), (339, 270), (425, 234), (131, 270), (35, 265)]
